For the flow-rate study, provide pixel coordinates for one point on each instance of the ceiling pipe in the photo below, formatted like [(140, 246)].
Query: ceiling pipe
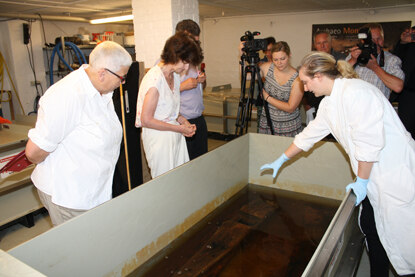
[(44, 17), (54, 5), (57, 18)]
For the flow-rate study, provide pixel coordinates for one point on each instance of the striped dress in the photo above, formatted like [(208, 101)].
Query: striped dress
[(283, 123)]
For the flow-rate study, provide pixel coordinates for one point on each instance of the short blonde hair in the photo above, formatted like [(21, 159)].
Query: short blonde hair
[(372, 26), (321, 32)]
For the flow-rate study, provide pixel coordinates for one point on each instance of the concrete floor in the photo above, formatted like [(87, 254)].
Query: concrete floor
[(17, 233)]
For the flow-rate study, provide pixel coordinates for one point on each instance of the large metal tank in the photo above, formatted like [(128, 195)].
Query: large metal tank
[(120, 235)]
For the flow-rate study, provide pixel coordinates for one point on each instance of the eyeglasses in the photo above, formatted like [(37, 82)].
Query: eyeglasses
[(122, 78)]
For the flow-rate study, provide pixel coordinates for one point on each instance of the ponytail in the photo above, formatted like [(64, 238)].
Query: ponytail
[(320, 62), (346, 70)]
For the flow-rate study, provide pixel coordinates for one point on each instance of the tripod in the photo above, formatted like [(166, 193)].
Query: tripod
[(246, 100)]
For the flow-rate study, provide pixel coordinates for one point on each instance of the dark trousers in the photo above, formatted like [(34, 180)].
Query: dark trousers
[(198, 144), (379, 262), (406, 111)]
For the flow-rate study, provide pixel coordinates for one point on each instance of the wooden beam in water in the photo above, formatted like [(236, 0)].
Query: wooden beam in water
[(211, 258)]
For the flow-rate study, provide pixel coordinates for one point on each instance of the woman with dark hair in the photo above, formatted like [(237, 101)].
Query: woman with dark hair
[(381, 153), (283, 92), (158, 106)]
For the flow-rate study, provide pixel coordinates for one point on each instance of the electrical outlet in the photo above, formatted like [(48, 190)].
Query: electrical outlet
[(33, 83)]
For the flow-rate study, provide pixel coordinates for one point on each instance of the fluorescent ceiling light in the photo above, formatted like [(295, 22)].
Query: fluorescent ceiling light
[(112, 19)]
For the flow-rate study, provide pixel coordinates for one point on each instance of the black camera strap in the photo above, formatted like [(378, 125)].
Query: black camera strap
[(382, 58)]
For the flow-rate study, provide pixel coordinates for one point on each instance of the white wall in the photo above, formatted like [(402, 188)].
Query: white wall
[(155, 21), (6, 52), (17, 59), (221, 36), (220, 39)]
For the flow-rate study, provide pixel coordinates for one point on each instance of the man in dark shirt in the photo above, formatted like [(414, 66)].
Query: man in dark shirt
[(322, 43), (405, 50)]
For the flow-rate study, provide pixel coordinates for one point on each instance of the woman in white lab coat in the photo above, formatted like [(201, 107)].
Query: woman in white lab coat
[(381, 152)]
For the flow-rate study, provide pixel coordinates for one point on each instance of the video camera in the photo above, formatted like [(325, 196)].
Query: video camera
[(367, 46), (249, 67), (252, 45)]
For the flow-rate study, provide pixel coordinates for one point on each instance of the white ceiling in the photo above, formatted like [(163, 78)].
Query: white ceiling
[(92, 9), (215, 8)]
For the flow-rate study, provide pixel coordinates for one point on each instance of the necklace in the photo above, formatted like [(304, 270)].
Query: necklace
[(170, 81), (168, 76)]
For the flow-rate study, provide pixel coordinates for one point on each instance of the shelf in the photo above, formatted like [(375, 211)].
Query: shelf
[(18, 195)]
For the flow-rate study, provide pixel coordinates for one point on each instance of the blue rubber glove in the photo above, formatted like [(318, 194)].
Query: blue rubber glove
[(276, 164), (359, 188)]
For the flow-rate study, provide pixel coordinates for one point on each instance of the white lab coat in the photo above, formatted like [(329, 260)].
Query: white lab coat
[(363, 121)]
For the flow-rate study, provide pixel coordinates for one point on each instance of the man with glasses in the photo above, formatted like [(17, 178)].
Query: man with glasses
[(122, 78), (76, 141)]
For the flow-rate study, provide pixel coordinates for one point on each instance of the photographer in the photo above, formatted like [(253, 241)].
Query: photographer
[(249, 65), (267, 53), (384, 71), (405, 50)]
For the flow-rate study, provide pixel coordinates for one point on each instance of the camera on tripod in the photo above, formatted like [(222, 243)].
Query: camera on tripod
[(251, 45), (249, 67), (367, 46)]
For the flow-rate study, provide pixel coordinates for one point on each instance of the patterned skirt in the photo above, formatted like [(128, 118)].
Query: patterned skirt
[(284, 124)]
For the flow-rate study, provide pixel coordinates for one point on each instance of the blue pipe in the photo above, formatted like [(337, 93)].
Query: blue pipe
[(56, 49)]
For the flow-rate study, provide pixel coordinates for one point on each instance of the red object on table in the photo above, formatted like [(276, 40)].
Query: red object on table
[(3, 120), (17, 163)]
